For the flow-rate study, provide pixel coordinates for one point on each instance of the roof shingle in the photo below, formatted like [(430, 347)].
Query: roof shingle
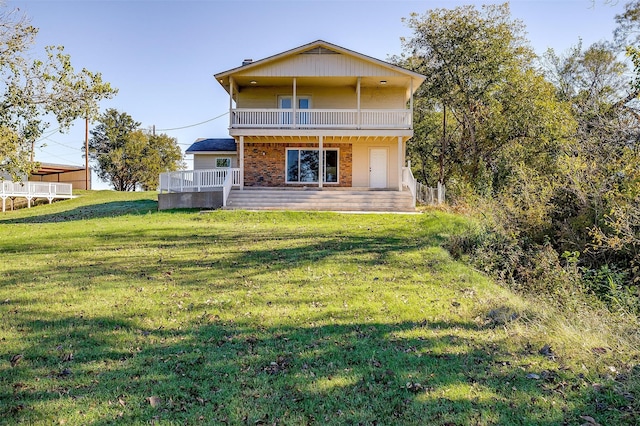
[(212, 145)]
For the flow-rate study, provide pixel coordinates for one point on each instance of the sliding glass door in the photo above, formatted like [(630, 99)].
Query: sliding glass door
[(303, 165)]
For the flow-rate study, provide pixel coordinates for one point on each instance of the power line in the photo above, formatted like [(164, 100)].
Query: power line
[(48, 134), (62, 158), (60, 143), (193, 125), (44, 136)]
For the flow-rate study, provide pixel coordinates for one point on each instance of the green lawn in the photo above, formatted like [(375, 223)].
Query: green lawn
[(123, 314)]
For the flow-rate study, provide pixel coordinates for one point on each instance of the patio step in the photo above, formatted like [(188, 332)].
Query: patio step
[(327, 200)]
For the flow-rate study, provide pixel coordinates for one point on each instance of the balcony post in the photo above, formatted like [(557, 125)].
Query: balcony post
[(230, 102), (241, 158), (358, 119), (400, 162), (320, 161), (411, 103), (294, 103)]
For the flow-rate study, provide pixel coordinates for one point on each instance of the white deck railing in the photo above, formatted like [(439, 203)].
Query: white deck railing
[(226, 188), (321, 118), (33, 190), (197, 180), (410, 182)]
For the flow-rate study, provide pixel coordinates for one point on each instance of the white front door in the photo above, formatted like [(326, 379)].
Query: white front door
[(378, 168)]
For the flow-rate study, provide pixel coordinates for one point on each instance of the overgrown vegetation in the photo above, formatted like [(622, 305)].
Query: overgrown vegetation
[(545, 150), (112, 312)]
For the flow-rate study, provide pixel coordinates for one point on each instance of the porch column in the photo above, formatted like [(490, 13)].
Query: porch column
[(358, 120), (411, 103), (241, 158), (320, 161), (400, 162), (294, 102), (230, 102)]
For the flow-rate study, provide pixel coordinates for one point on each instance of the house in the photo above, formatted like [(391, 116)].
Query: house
[(214, 153), (326, 124)]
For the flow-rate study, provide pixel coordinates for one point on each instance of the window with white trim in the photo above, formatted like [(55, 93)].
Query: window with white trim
[(223, 162), (303, 165), (286, 102)]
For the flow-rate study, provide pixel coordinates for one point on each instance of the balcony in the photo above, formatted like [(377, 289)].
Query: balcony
[(364, 119)]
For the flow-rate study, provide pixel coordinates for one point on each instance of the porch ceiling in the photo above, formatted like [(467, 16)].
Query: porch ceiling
[(268, 81), (350, 139)]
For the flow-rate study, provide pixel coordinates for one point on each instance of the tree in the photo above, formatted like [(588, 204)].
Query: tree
[(162, 154), (480, 73), (628, 31), (31, 90), (131, 158), (597, 86)]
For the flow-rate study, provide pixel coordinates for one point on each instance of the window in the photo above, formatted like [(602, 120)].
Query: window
[(303, 165), (223, 163), (286, 102), (304, 102)]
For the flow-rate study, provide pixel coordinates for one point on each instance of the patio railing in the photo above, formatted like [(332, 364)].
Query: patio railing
[(197, 180)]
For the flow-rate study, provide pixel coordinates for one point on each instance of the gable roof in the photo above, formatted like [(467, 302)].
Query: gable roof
[(317, 47), (213, 145)]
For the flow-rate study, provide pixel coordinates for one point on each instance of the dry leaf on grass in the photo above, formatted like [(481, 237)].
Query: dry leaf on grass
[(154, 401), (15, 360), (590, 421)]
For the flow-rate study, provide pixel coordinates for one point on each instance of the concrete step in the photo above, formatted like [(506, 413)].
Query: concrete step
[(342, 200)]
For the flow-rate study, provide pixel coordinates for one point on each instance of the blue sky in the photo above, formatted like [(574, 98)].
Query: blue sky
[(162, 54)]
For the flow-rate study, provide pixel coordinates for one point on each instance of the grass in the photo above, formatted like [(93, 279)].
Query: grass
[(126, 315)]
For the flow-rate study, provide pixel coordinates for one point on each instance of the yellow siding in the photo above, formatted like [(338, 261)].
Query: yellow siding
[(361, 162), (379, 98), (310, 65), (325, 97)]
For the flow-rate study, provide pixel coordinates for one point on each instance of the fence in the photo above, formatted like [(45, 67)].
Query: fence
[(429, 195)]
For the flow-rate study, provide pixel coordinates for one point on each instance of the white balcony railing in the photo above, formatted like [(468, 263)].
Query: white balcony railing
[(246, 118), (197, 180)]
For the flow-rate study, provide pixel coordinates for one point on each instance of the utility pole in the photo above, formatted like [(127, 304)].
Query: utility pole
[(86, 152)]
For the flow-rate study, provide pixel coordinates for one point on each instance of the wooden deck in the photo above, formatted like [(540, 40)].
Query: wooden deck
[(33, 190)]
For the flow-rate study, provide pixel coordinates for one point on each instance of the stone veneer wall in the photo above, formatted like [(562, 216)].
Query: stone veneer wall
[(264, 164)]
